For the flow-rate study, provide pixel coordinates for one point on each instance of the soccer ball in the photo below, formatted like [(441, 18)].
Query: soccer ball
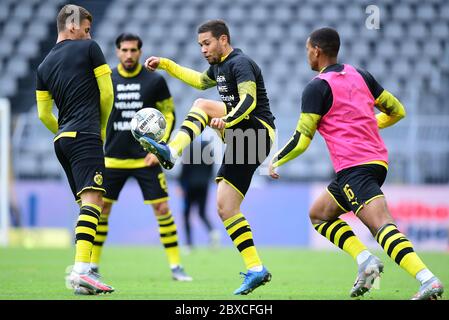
[(148, 122)]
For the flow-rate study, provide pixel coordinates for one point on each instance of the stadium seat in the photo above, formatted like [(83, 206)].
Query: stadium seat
[(259, 14), (355, 13), (283, 14), (387, 49), (8, 85), (444, 12), (46, 12), (393, 31), (22, 12), (13, 30), (331, 13), (37, 30), (28, 48), (308, 14), (418, 31), (4, 11), (402, 13), (433, 48), (440, 30), (401, 68), (409, 49), (6, 48), (426, 12)]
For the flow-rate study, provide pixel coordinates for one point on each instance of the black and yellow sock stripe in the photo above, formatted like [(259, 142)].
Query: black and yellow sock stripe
[(399, 248), (85, 231), (340, 233), (194, 123), (240, 232), (100, 238), (169, 237)]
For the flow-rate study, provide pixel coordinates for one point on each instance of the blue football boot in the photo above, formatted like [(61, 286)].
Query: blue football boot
[(253, 280), (160, 150)]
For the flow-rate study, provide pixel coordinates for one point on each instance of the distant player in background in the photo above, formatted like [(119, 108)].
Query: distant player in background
[(136, 88), (196, 174), (244, 108), (75, 75), (339, 102)]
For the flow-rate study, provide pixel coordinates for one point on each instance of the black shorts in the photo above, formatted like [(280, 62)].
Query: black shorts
[(248, 144), (82, 158), (151, 181), (356, 186)]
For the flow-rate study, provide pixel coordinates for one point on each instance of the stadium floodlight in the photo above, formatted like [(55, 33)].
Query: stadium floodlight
[(4, 170)]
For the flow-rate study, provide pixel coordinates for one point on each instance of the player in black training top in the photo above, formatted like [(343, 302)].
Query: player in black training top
[(75, 75), (245, 114), (136, 88)]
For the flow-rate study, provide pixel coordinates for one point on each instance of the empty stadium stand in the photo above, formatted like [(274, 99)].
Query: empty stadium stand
[(408, 54)]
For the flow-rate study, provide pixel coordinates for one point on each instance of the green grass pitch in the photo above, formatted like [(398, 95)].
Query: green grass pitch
[(142, 273)]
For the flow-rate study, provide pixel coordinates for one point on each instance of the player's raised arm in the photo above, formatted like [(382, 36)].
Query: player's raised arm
[(193, 78), (300, 141), (391, 109)]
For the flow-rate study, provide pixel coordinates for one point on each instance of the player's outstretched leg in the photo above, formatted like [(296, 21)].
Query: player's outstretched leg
[(194, 123), (369, 266), (324, 217), (376, 217)]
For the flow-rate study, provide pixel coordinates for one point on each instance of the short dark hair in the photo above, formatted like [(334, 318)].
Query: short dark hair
[(68, 12), (217, 27), (128, 37), (327, 39)]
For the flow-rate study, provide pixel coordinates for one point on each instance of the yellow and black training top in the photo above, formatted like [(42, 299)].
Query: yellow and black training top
[(241, 87), (133, 91), (68, 75)]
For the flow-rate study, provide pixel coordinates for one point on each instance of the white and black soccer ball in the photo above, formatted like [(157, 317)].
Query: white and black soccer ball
[(148, 122)]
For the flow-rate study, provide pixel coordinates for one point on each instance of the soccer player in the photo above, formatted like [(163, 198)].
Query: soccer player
[(339, 102), (75, 75), (244, 111), (136, 88)]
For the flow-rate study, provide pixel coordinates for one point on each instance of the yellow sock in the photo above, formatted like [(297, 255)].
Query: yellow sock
[(100, 238), (85, 231), (194, 123), (240, 232), (169, 238), (400, 249), (340, 233)]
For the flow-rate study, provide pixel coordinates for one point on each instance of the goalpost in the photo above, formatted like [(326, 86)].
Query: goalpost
[(5, 137)]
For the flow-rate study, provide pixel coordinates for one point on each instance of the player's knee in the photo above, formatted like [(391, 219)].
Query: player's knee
[(225, 211), (199, 103), (106, 208), (161, 208), (314, 216)]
